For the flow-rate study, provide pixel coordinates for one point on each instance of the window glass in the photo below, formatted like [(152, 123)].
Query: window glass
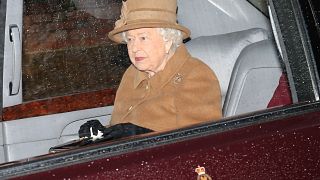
[(311, 11), (315, 35), (261, 5), (66, 49)]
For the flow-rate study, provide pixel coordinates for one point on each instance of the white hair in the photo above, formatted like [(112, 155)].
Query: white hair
[(168, 34)]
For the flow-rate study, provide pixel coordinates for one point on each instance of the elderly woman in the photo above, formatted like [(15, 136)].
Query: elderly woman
[(164, 88)]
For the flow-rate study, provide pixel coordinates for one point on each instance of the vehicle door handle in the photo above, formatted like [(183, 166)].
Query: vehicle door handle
[(14, 84)]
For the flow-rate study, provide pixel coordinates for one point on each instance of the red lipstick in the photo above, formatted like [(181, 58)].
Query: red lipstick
[(139, 58)]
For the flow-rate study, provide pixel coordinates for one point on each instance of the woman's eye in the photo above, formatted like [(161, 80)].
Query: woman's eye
[(143, 38)]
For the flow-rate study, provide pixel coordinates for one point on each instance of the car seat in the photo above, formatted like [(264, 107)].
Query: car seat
[(254, 79), (220, 52), (241, 61)]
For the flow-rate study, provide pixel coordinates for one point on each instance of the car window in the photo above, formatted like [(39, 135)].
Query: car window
[(66, 49), (311, 9)]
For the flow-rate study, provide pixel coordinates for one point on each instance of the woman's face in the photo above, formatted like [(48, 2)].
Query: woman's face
[(147, 50)]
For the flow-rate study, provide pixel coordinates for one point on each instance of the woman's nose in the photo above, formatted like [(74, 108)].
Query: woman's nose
[(136, 46)]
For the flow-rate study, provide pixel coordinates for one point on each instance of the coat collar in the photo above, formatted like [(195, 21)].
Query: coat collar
[(174, 64)]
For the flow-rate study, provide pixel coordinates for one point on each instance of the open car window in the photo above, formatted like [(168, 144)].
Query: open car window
[(66, 50)]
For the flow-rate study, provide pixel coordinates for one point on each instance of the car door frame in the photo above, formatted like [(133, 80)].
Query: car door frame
[(3, 5), (297, 53)]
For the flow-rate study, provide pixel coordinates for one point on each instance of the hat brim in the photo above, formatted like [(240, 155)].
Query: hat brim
[(115, 35)]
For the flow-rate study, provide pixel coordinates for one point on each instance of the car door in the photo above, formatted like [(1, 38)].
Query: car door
[(59, 70)]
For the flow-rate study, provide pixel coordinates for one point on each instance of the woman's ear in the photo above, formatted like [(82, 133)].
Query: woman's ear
[(167, 46)]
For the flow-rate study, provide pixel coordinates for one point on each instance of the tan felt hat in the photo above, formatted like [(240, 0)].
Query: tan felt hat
[(147, 14)]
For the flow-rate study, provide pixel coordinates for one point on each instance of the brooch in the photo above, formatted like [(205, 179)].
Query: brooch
[(177, 78)]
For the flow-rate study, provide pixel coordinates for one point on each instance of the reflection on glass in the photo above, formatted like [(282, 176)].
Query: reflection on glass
[(66, 49)]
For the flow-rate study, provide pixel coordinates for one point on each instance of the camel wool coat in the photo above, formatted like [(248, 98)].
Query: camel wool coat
[(185, 92)]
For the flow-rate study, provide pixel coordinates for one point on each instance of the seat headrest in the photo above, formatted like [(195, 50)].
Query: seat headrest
[(220, 52)]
